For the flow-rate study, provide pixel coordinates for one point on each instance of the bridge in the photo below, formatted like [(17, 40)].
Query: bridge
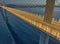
[(45, 24)]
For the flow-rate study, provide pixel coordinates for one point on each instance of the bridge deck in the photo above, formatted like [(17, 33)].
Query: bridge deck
[(36, 21)]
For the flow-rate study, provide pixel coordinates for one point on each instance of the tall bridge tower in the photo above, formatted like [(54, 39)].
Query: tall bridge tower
[(49, 10), (47, 18)]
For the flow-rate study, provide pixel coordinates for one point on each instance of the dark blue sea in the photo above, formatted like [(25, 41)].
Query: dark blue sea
[(21, 31)]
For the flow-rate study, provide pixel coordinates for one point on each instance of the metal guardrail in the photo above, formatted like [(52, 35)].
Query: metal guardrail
[(36, 21)]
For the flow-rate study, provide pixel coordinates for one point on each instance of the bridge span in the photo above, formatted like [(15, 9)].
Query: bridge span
[(37, 21)]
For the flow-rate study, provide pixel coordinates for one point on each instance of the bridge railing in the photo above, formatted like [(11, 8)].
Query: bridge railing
[(56, 22)]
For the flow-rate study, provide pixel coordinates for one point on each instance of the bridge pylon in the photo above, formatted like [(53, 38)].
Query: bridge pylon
[(47, 18), (49, 11)]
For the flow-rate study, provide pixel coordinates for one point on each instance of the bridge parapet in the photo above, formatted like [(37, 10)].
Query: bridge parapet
[(56, 22)]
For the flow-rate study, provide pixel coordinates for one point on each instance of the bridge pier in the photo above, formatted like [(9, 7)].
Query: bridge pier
[(49, 10), (44, 38)]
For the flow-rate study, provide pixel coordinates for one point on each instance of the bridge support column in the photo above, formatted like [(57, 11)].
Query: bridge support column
[(44, 38), (49, 10)]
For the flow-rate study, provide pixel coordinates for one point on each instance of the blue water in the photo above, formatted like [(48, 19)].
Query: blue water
[(21, 31), (4, 32)]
